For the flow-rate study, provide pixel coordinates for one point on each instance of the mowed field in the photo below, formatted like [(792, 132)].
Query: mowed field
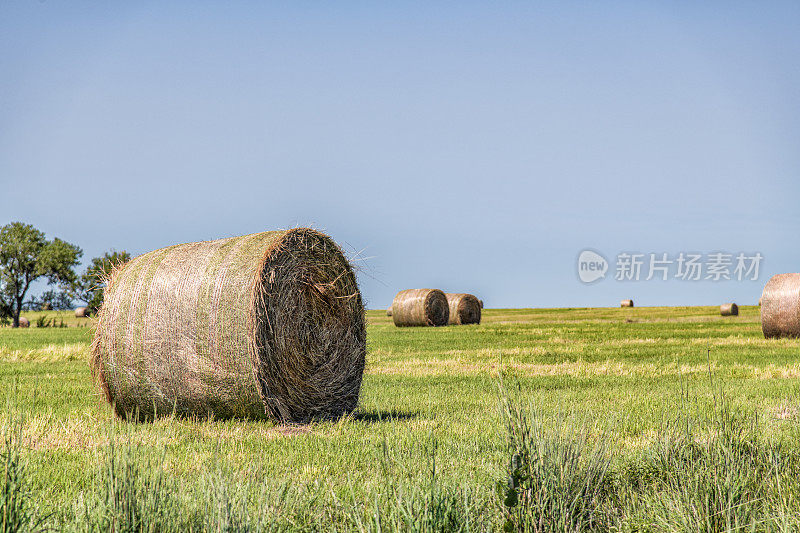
[(430, 440)]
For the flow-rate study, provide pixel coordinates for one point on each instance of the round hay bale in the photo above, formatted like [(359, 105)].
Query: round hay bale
[(389, 311), (780, 306), (82, 312), (480, 302), (268, 325), (420, 307), (47, 306), (626, 303), (729, 309), (464, 308), (24, 322)]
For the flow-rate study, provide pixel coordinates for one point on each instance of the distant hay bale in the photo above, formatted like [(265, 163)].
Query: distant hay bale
[(82, 312), (47, 306), (389, 311), (24, 322), (780, 306), (626, 303), (729, 309), (464, 308), (420, 307), (268, 325)]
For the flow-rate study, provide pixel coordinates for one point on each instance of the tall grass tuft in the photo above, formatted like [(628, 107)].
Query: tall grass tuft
[(17, 514), (432, 506), (425, 509), (720, 474), (226, 508), (558, 478), (131, 494), (708, 469), (225, 499)]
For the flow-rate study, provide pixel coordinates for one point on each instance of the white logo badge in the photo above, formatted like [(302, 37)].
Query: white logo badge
[(591, 266)]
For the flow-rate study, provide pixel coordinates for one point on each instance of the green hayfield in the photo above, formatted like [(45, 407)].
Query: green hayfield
[(429, 402)]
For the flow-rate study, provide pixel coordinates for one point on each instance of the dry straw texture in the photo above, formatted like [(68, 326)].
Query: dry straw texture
[(420, 307), (24, 322), (729, 309), (780, 306), (264, 325), (464, 308), (626, 303), (81, 312), (389, 311)]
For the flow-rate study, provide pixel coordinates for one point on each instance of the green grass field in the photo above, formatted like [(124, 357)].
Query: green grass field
[(433, 434)]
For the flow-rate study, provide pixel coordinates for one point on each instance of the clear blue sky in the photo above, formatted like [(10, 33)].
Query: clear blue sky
[(470, 147)]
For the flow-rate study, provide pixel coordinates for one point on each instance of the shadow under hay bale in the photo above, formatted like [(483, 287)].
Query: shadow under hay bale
[(780, 306), (729, 309), (24, 322), (389, 311), (464, 308), (420, 307), (265, 325), (626, 303), (81, 312)]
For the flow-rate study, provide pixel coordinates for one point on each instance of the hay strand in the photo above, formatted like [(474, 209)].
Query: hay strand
[(780, 306), (730, 309), (265, 325), (464, 308), (420, 307), (626, 303)]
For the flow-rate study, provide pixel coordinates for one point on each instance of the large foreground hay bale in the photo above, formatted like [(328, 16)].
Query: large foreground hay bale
[(464, 308), (420, 307), (264, 325), (81, 312), (626, 303), (780, 306), (24, 322), (389, 311), (480, 302), (729, 309)]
